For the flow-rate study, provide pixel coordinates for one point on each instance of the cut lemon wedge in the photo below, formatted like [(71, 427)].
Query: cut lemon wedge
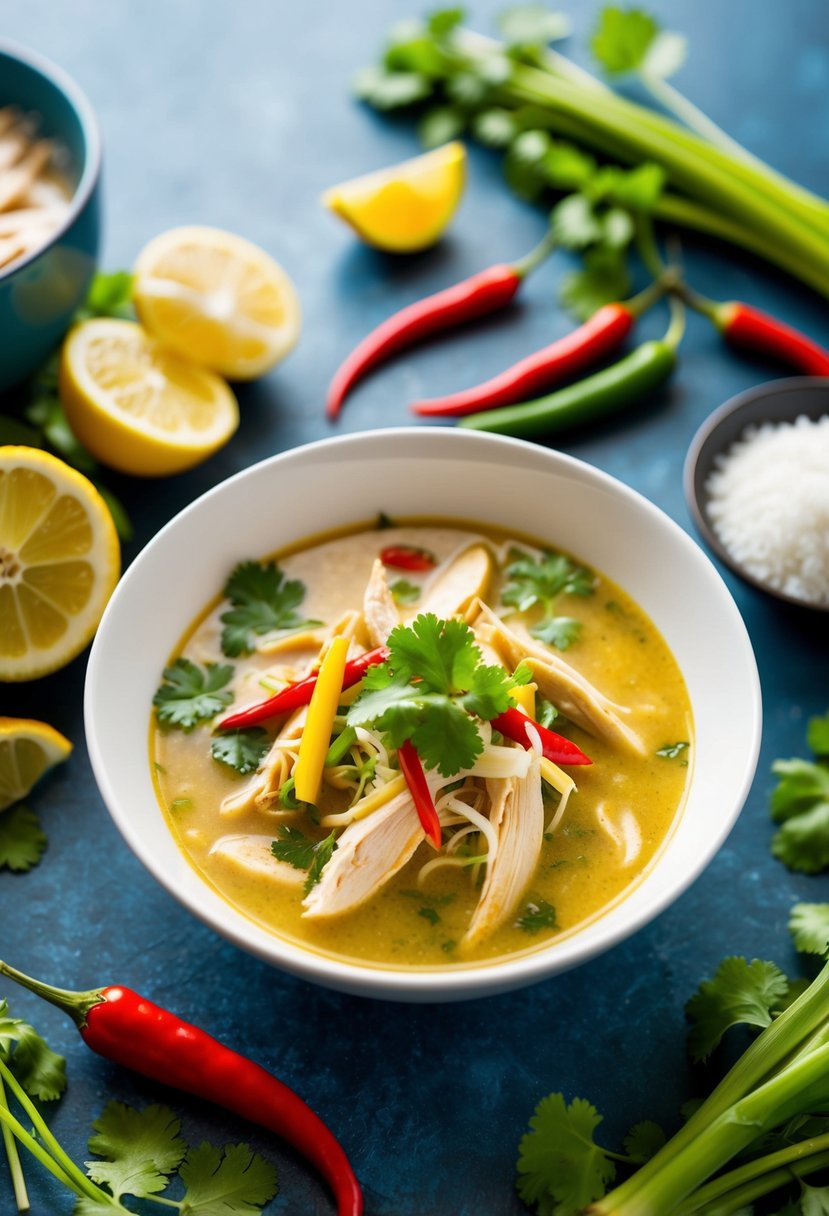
[(28, 749), (137, 406), (406, 207), (217, 299), (59, 562)]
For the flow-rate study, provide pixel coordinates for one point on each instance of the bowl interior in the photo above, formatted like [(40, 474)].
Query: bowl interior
[(440, 473), (780, 401)]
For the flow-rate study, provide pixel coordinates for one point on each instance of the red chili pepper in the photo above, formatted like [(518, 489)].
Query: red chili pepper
[(513, 724), (131, 1031), (751, 329), (605, 330), (412, 770), (407, 557), (298, 694), (484, 292)]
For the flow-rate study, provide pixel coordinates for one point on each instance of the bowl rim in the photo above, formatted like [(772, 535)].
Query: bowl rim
[(480, 979), (90, 127), (706, 431)]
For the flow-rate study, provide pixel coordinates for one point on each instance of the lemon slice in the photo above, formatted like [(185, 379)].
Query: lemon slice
[(137, 406), (217, 299), (28, 749), (59, 562), (406, 207)]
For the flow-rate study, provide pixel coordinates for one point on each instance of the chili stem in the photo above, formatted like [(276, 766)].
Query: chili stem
[(535, 257), (83, 1184), (21, 1195)]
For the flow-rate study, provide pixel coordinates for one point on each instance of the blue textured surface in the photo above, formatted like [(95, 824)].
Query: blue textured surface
[(239, 116)]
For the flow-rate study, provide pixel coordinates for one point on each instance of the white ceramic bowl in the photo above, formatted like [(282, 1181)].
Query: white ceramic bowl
[(437, 472)]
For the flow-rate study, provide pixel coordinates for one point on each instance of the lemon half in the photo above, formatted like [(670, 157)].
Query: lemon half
[(217, 299), (406, 207), (137, 406), (59, 562), (28, 749)]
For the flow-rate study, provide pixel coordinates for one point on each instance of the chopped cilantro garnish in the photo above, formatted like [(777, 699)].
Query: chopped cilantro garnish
[(404, 592), (241, 750), (537, 915), (22, 840), (190, 694), (303, 853), (428, 690), (672, 751), (430, 914), (264, 601), (532, 582)]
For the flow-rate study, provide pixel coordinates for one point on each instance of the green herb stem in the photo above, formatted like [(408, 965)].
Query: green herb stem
[(21, 1196), (46, 1160), (763, 1057), (75, 1176), (535, 257), (758, 1177)]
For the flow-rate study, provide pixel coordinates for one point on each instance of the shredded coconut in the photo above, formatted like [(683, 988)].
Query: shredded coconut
[(769, 506)]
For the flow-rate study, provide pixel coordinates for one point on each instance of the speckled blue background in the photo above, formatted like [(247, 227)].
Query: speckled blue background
[(239, 116)]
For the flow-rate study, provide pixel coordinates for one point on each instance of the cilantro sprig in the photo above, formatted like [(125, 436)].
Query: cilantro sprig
[(800, 804), (431, 690), (303, 853), (241, 750), (190, 694), (263, 601), (537, 582)]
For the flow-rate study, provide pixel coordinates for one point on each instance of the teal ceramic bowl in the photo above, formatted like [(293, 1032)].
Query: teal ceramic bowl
[(40, 292)]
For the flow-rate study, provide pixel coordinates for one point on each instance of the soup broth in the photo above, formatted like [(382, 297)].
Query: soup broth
[(599, 674)]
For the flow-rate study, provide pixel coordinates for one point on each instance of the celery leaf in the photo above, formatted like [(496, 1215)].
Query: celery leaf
[(561, 1168), (739, 993)]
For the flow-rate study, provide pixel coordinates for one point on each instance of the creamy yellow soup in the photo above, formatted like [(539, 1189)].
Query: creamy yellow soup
[(613, 825)]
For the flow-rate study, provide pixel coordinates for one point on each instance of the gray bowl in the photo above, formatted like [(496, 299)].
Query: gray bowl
[(779, 401)]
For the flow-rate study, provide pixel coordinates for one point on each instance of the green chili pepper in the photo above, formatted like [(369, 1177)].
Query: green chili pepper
[(603, 393)]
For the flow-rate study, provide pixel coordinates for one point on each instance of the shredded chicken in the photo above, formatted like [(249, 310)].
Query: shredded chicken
[(379, 609), (253, 856), (457, 588), (517, 814), (369, 853), (570, 691)]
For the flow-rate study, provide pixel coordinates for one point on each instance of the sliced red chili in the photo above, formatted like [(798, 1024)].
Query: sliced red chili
[(407, 557), (513, 725), (298, 694), (412, 770), (604, 331)]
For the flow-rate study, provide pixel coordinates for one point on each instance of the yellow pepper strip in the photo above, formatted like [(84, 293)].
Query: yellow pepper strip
[(524, 697), (371, 802), (316, 735), (562, 782)]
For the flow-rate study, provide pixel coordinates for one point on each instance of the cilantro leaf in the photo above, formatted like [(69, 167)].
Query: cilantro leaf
[(532, 580), (234, 1181), (574, 223), (566, 167), (433, 680), (443, 21), (603, 279), (430, 914), (643, 1141), (558, 631), (404, 592), (241, 750), (41, 1071), (22, 840), (814, 1200), (623, 38), (140, 1149), (536, 916), (672, 751), (190, 694), (263, 602), (109, 295), (802, 843), (303, 853), (802, 786), (809, 927), (817, 735), (740, 992), (559, 1161)]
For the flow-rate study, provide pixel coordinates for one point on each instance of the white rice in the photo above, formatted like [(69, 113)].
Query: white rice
[(769, 506)]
